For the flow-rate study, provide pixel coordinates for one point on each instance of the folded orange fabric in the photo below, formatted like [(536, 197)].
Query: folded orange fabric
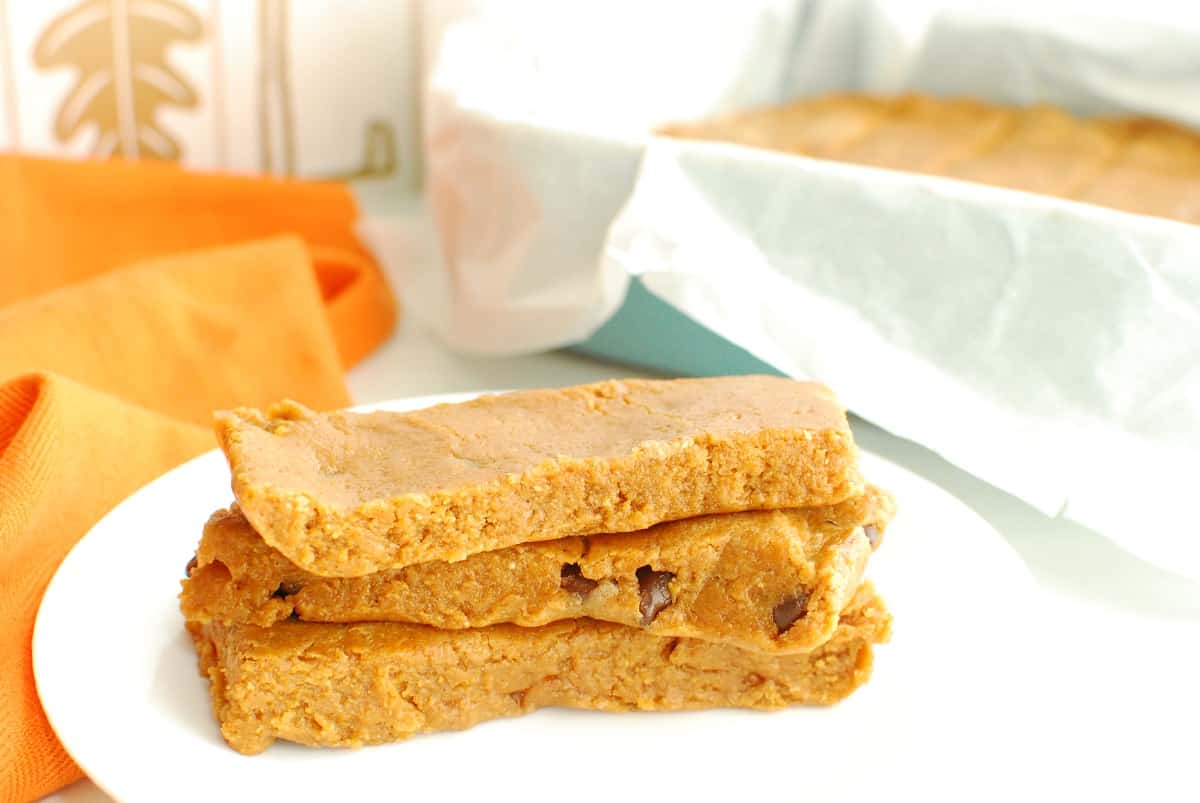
[(122, 326), (57, 435), (66, 221), (218, 324)]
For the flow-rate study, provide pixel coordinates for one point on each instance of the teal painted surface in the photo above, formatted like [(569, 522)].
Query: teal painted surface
[(649, 332)]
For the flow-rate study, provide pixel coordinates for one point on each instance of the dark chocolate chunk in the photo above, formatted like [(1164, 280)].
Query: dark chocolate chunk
[(574, 582), (790, 611), (669, 648), (286, 590), (872, 534), (191, 567), (656, 592)]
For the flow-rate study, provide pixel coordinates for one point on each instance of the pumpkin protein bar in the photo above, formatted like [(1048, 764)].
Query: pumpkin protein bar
[(774, 581), (1139, 165), (353, 684), (347, 494)]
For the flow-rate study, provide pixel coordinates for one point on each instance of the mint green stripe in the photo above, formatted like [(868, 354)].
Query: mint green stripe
[(648, 332)]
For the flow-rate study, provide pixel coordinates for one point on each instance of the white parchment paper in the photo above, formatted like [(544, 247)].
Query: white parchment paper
[(1048, 347)]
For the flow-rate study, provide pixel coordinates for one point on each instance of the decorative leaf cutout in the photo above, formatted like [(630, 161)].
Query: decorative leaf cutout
[(119, 49)]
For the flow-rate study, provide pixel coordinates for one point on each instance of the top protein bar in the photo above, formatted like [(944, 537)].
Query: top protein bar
[(345, 494)]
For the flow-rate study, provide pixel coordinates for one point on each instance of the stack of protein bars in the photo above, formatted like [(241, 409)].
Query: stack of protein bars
[(653, 545)]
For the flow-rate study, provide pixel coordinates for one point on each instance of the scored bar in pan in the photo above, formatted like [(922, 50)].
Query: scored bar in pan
[(348, 494), (1139, 165), (353, 684), (774, 581)]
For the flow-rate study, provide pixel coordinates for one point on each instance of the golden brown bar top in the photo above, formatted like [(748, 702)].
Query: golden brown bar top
[(1133, 164), (350, 685), (774, 581), (346, 494)]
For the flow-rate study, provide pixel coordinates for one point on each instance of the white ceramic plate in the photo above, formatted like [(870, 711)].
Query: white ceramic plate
[(118, 679)]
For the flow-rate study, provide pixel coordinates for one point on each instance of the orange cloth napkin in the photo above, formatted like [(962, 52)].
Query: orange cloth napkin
[(66, 221), (135, 298)]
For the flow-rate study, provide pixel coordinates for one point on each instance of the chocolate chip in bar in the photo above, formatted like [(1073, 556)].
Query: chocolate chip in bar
[(656, 592), (191, 567), (790, 611), (286, 590), (574, 582), (872, 534)]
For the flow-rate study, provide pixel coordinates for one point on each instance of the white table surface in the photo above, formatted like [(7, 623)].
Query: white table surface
[(1116, 716)]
